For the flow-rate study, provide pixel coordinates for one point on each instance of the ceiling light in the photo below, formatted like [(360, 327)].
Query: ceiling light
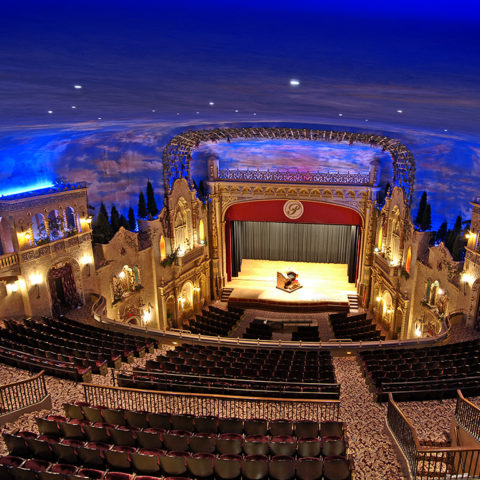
[(294, 82), (399, 111), (236, 111), (340, 114), (50, 111), (74, 107), (77, 87), (211, 104)]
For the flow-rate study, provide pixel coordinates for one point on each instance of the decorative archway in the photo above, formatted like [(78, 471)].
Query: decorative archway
[(170, 313), (163, 248), (63, 289)]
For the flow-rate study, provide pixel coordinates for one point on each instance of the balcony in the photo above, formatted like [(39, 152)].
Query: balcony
[(52, 248), (385, 266), (9, 264), (190, 256)]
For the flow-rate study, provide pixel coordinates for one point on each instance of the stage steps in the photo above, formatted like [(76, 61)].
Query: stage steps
[(353, 302), (226, 292)]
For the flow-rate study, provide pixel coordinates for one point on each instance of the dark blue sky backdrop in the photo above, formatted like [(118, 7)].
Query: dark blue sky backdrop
[(154, 65)]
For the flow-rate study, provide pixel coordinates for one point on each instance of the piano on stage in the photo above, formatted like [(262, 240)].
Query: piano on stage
[(288, 281)]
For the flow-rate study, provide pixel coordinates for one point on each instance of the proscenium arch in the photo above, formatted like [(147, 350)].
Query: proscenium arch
[(177, 155)]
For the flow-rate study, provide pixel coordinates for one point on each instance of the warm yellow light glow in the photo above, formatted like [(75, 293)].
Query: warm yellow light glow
[(379, 298), (36, 278), (86, 259), (467, 278), (147, 316), (440, 291), (470, 235), (418, 332), (12, 287), (122, 274)]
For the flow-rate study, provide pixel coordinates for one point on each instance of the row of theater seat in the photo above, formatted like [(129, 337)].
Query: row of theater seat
[(293, 387), (306, 334), (258, 329), (428, 373), (34, 363), (195, 423), (271, 364), (214, 321), (200, 465), (355, 327)]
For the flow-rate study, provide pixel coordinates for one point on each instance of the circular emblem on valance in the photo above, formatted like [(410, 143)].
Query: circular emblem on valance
[(293, 209)]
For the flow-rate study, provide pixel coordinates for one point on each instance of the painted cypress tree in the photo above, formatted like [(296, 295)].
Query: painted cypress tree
[(421, 209), (102, 230), (124, 222), (151, 204), (442, 233), (142, 207), (114, 219), (426, 223), (131, 220)]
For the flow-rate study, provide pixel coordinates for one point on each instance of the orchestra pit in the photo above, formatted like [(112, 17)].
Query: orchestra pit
[(270, 323)]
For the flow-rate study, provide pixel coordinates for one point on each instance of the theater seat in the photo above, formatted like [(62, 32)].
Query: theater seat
[(58, 471), (281, 426), (281, 467), (228, 467), (336, 468), (230, 443), (203, 442), (283, 445), (147, 460), (255, 467), (174, 463), (201, 465), (309, 447), (8, 463), (256, 445)]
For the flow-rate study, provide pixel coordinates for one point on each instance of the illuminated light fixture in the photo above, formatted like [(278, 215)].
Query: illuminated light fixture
[(153, 111), (74, 107), (147, 316), (99, 118), (86, 260), (27, 235), (254, 113), (236, 111), (366, 119), (440, 291), (294, 82), (174, 343), (418, 332), (50, 111), (445, 130), (399, 111), (379, 298), (12, 287), (197, 113), (211, 103), (376, 250), (470, 235), (467, 278), (340, 114), (181, 252), (32, 188), (122, 274), (178, 113), (36, 280), (196, 289), (77, 87)]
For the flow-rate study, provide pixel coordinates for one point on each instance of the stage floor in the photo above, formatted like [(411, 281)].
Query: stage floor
[(321, 282)]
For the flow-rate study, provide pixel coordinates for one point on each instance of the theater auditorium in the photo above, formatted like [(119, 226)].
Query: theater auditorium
[(271, 323)]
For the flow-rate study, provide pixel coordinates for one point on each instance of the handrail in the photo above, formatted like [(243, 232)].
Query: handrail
[(430, 462), (467, 415), (245, 342), (21, 394), (212, 404)]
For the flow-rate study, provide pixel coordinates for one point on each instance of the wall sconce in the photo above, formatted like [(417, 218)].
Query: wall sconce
[(182, 301), (378, 299), (36, 280), (122, 274), (469, 235), (146, 316), (376, 250), (86, 260), (12, 287), (196, 289), (440, 291)]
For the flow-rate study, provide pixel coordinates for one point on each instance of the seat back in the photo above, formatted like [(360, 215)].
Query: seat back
[(281, 467), (255, 467), (309, 468), (201, 465), (228, 467)]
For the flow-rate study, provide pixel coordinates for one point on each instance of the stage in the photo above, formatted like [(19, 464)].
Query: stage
[(324, 286)]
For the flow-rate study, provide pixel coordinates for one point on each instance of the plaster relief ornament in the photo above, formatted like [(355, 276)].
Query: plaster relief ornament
[(293, 209)]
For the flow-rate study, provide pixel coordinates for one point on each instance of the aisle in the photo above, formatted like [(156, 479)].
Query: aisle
[(369, 441)]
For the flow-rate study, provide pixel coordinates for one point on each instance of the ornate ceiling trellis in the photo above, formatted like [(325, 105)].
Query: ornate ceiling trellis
[(177, 155)]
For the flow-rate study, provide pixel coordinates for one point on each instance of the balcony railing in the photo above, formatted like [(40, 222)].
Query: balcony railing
[(8, 260), (221, 405), (61, 245), (430, 463), (386, 267), (190, 256), (467, 415)]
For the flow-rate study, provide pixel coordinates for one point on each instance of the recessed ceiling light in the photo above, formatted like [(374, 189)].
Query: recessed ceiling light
[(211, 104), (236, 111), (445, 130), (77, 87), (340, 114), (294, 82), (50, 111), (74, 107), (399, 111), (99, 118)]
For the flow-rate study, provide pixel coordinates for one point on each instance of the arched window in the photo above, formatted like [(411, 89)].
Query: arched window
[(128, 280), (70, 219), (408, 260), (201, 232), (38, 227), (55, 225), (163, 248), (5, 237)]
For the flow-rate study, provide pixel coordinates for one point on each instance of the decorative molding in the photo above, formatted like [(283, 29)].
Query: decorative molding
[(293, 209)]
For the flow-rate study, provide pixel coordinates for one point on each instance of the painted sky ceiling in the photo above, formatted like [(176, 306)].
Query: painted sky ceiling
[(151, 69)]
